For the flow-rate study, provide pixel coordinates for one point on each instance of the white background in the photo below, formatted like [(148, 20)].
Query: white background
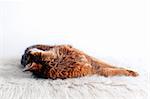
[(103, 28)]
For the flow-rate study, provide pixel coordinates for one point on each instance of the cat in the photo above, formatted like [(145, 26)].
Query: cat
[(64, 61)]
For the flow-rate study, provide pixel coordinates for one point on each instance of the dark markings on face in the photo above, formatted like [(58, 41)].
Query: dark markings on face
[(29, 58)]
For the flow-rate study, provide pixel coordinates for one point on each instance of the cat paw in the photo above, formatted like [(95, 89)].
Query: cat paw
[(132, 73)]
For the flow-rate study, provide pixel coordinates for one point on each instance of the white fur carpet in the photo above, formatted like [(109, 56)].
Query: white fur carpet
[(15, 84)]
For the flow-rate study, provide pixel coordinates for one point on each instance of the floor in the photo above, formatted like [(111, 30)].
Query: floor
[(15, 84)]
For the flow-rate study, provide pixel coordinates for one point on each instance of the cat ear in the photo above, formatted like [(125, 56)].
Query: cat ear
[(32, 66), (27, 67)]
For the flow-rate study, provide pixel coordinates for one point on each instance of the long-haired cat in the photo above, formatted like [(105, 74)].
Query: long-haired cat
[(64, 61)]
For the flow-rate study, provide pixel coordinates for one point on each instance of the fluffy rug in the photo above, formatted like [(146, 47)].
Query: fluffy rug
[(15, 84)]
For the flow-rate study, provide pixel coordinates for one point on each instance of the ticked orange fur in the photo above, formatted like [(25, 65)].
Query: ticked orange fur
[(64, 61)]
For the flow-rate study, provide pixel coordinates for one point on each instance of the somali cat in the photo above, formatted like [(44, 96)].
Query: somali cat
[(64, 61)]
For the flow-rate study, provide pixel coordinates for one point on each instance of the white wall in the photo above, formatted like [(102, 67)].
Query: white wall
[(113, 28)]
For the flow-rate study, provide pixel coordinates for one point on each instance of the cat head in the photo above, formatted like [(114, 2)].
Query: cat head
[(30, 56), (34, 59)]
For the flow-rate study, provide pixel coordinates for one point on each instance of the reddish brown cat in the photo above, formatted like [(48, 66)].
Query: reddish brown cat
[(64, 61)]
